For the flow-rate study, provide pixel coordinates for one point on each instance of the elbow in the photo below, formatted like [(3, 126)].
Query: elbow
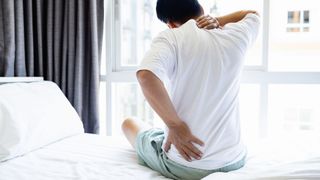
[(143, 76), (254, 12)]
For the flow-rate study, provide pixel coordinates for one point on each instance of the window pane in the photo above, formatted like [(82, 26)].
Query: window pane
[(222, 7), (306, 16), (127, 41), (294, 110), (139, 24), (295, 29), (306, 29), (250, 112), (294, 35), (294, 17), (128, 31), (128, 101)]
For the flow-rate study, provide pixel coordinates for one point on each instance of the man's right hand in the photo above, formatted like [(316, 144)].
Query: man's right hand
[(181, 137)]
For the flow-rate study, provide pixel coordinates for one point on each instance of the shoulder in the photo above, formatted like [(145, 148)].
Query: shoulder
[(164, 38), (167, 34)]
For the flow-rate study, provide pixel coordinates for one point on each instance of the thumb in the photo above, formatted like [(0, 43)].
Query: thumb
[(167, 146)]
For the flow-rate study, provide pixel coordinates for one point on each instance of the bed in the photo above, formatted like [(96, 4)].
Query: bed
[(87, 156), (279, 159), (66, 152), (82, 156)]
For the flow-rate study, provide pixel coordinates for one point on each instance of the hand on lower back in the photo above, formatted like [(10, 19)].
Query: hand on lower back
[(182, 138)]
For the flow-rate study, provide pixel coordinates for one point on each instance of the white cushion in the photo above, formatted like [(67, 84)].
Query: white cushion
[(33, 115)]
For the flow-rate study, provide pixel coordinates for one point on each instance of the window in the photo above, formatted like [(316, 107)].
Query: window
[(294, 41), (306, 17), (294, 17), (128, 100), (298, 21), (294, 109), (138, 25), (250, 111), (280, 82)]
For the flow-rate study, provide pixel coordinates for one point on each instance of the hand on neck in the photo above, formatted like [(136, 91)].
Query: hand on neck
[(173, 24)]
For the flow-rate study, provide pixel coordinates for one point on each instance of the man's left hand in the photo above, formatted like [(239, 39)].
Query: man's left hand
[(207, 22)]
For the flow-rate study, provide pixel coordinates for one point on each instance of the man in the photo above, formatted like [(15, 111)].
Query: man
[(191, 78)]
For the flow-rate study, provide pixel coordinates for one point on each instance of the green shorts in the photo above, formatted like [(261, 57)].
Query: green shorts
[(150, 154)]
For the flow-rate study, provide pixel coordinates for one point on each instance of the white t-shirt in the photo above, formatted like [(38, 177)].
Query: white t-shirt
[(201, 70)]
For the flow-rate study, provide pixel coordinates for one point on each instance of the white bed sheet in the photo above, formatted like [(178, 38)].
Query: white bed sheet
[(89, 156), (80, 157), (279, 159)]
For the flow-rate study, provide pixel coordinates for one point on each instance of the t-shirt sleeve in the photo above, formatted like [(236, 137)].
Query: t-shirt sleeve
[(161, 58), (245, 31)]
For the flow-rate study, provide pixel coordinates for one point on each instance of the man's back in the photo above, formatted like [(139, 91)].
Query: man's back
[(202, 70)]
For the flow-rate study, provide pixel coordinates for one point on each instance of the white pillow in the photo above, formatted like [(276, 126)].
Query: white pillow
[(33, 115)]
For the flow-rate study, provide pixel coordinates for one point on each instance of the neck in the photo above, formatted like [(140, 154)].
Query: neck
[(172, 24), (196, 17)]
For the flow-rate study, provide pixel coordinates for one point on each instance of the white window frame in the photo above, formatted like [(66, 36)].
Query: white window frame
[(252, 74)]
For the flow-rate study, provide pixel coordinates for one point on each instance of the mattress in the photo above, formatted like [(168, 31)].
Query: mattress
[(88, 156), (279, 158), (80, 157)]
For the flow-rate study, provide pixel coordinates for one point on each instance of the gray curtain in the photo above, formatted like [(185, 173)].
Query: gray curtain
[(60, 40)]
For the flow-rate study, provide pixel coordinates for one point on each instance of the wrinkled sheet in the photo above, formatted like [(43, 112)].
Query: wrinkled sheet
[(279, 159), (88, 156), (84, 156)]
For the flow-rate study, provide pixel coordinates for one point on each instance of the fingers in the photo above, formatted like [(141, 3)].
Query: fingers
[(211, 23), (201, 21), (182, 138), (209, 26), (204, 21), (189, 151), (194, 152), (197, 141), (207, 22), (183, 153), (201, 17), (167, 146)]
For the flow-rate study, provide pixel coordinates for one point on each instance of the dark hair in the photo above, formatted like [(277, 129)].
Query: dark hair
[(178, 10)]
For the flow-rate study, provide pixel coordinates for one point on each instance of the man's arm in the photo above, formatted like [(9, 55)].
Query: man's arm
[(179, 133), (209, 22), (234, 17)]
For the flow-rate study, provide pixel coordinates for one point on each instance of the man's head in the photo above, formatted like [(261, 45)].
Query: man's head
[(176, 12)]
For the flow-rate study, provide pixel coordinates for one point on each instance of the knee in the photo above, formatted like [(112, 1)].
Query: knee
[(127, 123)]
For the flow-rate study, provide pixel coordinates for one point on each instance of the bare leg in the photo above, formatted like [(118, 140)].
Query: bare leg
[(131, 128)]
